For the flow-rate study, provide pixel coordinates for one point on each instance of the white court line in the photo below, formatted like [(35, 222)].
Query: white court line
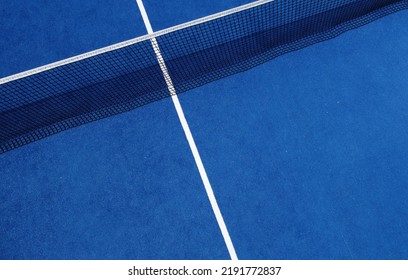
[(189, 136)]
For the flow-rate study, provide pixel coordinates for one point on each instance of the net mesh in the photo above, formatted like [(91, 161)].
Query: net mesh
[(122, 79)]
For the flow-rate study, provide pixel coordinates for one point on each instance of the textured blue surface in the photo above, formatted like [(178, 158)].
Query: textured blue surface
[(307, 154), (38, 32), (164, 14), (110, 190)]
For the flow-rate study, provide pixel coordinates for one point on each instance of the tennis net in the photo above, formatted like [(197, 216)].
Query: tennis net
[(121, 77)]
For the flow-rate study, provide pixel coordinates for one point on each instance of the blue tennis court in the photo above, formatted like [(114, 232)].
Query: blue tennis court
[(307, 154)]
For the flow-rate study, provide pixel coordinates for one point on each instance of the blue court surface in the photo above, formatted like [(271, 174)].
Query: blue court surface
[(307, 154)]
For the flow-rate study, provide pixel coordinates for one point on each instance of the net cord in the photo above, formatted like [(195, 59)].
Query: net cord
[(131, 41)]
